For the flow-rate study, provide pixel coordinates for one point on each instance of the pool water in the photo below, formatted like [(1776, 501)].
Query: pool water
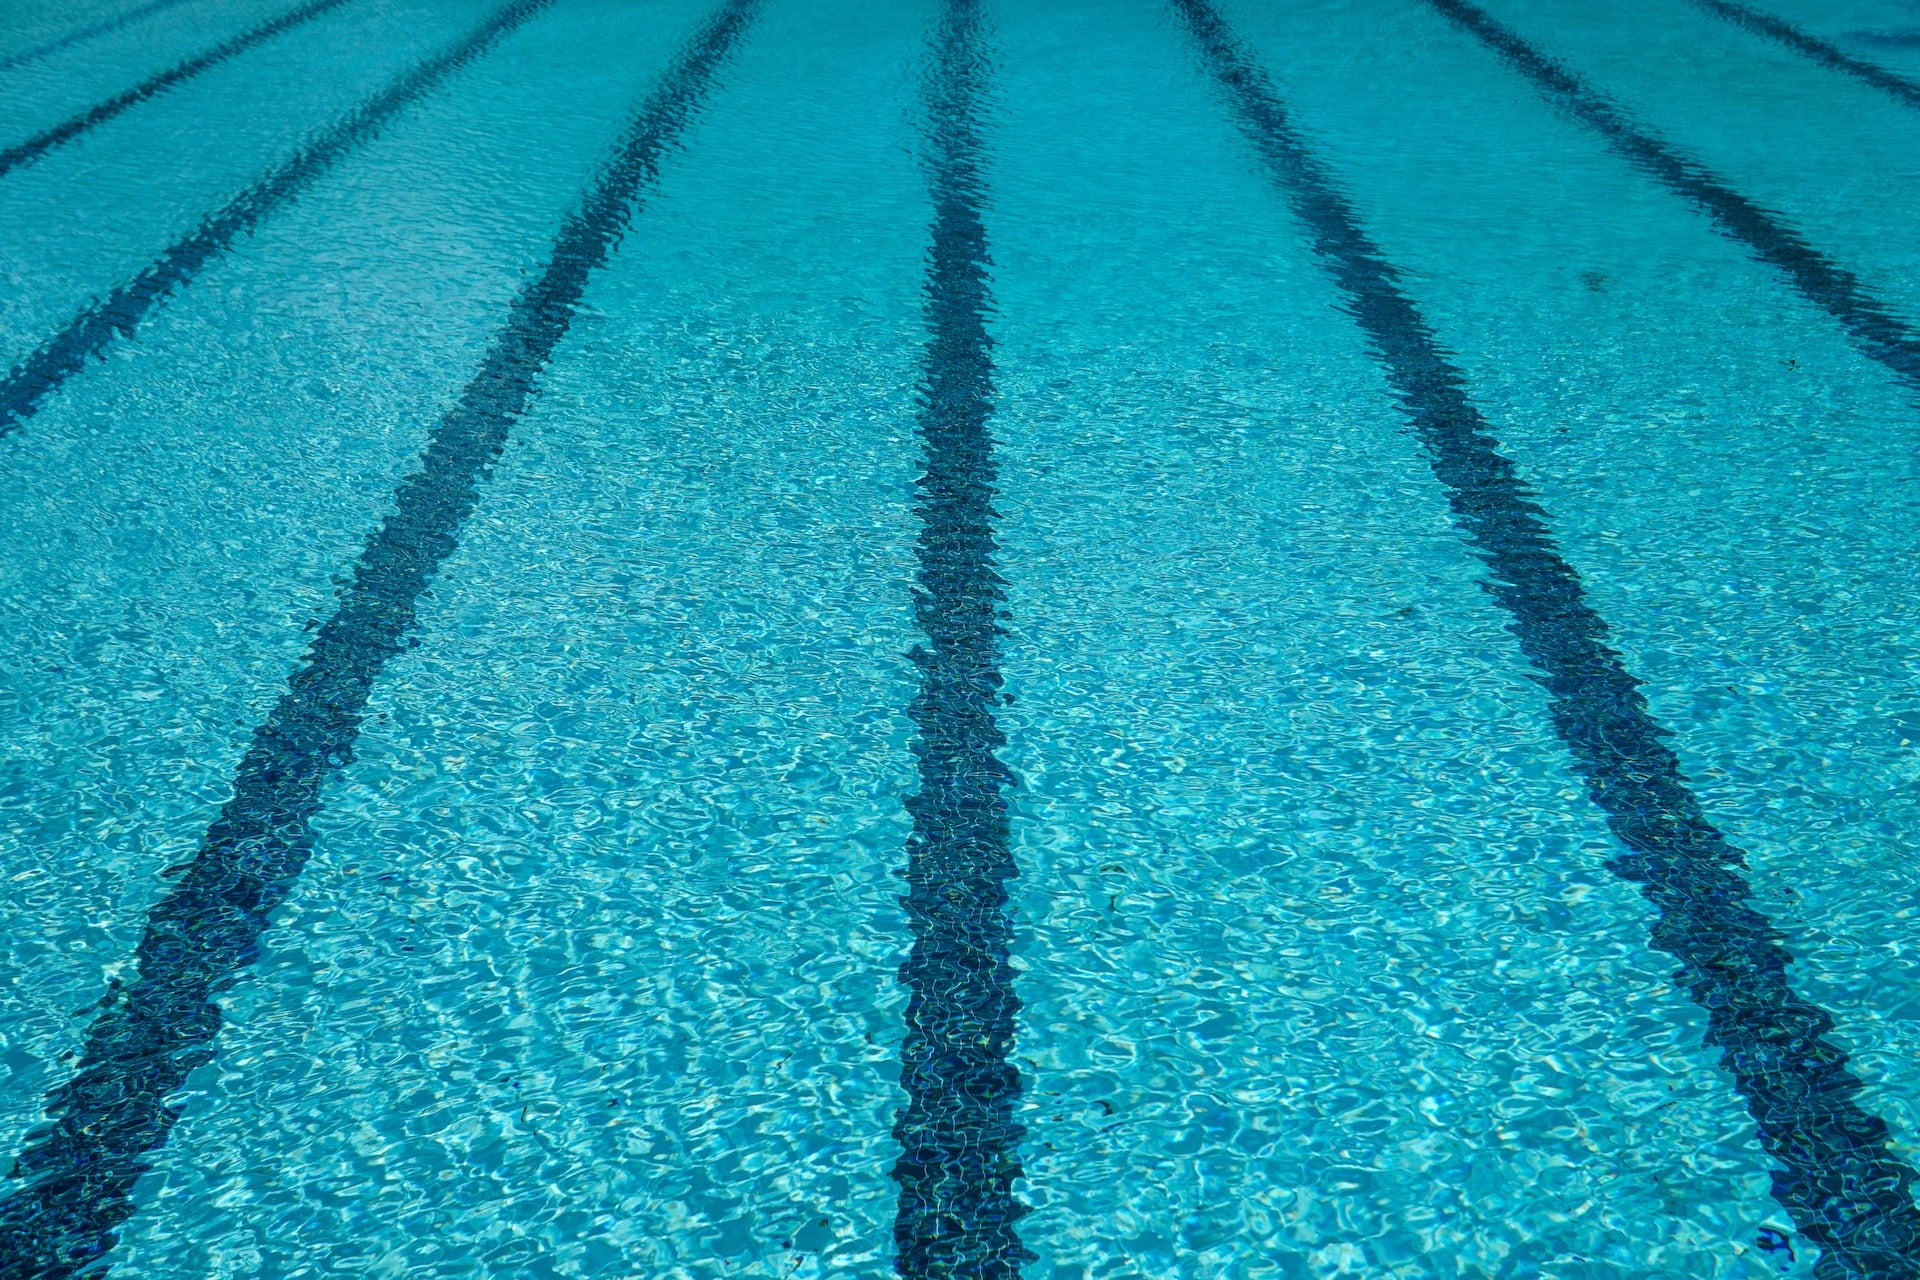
[(744, 638)]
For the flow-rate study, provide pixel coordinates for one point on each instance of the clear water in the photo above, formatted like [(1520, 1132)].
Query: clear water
[(1321, 969)]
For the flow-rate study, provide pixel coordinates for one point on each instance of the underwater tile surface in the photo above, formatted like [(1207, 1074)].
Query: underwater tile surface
[(742, 638)]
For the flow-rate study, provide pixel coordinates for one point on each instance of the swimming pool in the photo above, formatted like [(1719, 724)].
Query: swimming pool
[(709, 638)]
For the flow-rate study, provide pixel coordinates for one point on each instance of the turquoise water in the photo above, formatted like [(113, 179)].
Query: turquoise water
[(588, 960)]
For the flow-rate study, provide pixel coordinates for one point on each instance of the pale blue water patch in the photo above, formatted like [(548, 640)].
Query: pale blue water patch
[(1707, 446), (1838, 158), (593, 971), (95, 212), (1325, 973), (63, 81), (31, 23), (181, 514), (34, 33)]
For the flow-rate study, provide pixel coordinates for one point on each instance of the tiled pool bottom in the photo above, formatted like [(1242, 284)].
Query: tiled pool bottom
[(658, 638)]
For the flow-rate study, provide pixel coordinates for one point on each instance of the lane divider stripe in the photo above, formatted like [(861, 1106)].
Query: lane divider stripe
[(93, 117), (207, 930), (1837, 1178), (1875, 330), (106, 26), (1824, 52), (959, 1141), (120, 313)]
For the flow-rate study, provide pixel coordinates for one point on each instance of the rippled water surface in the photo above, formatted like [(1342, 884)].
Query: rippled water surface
[(799, 638)]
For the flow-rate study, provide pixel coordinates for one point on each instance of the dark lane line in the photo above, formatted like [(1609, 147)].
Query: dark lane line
[(121, 312), (1821, 51), (106, 26), (208, 928), (959, 1141), (67, 130), (1873, 327), (1842, 1185)]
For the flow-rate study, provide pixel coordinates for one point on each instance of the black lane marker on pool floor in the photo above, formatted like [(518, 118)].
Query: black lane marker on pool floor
[(106, 26), (118, 314), (1875, 330), (960, 1144), (1843, 1187), (1821, 51), (208, 928), (67, 130)]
